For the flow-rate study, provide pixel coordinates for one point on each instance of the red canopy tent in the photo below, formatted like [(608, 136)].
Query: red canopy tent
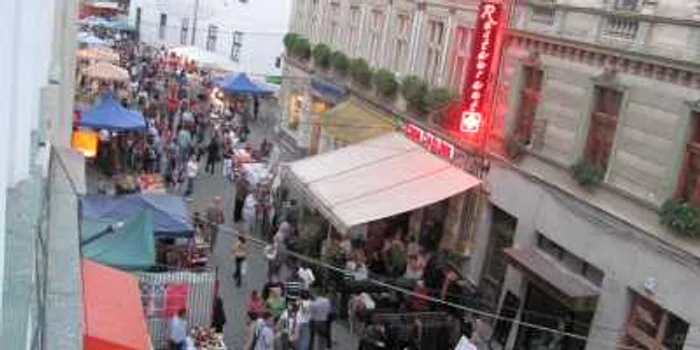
[(114, 317)]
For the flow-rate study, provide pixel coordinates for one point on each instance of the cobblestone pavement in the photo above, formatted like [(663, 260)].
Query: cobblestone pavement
[(206, 188)]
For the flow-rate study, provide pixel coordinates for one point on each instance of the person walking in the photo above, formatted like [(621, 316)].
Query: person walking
[(212, 155), (191, 172), (320, 311), (177, 331), (239, 254), (218, 315), (215, 217), (241, 194)]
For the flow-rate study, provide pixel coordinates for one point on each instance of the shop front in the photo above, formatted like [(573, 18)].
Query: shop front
[(348, 123), (306, 100), (554, 297)]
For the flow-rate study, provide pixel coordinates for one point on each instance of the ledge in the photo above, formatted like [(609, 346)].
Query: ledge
[(630, 14)]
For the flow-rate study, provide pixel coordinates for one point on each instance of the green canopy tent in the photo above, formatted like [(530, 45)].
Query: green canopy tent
[(128, 244)]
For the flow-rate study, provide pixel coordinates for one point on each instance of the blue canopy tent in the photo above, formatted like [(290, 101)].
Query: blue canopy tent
[(242, 84), (126, 244), (111, 115), (171, 219)]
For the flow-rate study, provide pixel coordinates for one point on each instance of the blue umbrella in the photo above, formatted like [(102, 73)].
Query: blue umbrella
[(242, 84), (111, 115)]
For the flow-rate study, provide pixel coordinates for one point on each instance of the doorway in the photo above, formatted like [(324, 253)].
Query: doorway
[(542, 309)]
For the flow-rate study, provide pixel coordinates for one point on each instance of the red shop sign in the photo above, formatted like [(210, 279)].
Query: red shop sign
[(429, 141), (483, 61)]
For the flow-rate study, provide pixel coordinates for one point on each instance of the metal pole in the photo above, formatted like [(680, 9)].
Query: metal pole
[(194, 22)]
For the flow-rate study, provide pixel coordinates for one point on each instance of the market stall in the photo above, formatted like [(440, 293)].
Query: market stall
[(113, 316), (162, 294), (127, 244), (97, 53), (106, 72)]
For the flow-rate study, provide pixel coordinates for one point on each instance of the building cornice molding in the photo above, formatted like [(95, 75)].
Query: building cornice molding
[(607, 12), (683, 73)]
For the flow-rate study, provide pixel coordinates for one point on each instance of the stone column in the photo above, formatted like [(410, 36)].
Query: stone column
[(453, 222)]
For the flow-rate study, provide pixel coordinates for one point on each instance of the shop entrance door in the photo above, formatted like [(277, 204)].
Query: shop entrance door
[(541, 309)]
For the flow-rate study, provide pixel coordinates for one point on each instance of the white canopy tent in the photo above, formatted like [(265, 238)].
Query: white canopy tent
[(207, 59), (375, 179)]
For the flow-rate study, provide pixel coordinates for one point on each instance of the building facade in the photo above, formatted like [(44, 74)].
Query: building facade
[(611, 87), (246, 32), (40, 306)]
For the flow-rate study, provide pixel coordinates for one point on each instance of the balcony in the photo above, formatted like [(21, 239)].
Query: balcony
[(621, 27)]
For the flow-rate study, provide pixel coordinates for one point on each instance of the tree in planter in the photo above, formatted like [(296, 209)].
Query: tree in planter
[(386, 84), (360, 72), (301, 48), (340, 63), (437, 98), (414, 90), (322, 56), (681, 217), (586, 174), (289, 40)]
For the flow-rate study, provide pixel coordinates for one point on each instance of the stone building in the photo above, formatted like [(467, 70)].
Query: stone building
[(609, 87)]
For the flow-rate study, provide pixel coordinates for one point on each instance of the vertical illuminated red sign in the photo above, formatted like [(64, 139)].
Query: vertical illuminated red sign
[(483, 64)]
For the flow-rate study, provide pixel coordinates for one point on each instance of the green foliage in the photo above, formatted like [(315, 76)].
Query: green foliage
[(681, 216), (414, 90), (289, 40), (322, 56), (386, 84), (438, 98), (586, 174), (360, 72), (340, 63), (301, 48)]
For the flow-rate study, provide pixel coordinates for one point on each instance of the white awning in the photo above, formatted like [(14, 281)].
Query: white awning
[(376, 179)]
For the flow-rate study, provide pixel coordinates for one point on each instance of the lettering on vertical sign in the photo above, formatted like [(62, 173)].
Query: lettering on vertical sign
[(428, 140), (481, 63)]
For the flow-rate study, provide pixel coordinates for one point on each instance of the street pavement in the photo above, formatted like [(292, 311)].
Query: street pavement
[(206, 188)]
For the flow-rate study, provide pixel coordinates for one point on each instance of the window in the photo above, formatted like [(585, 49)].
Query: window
[(211, 37), (376, 27), (334, 32), (688, 188), (162, 26), (138, 19), (236, 45), (461, 54), (570, 261), (651, 327), (314, 20), (529, 100), (300, 15), (403, 25), (184, 29), (542, 15), (433, 55), (354, 32), (601, 133), (626, 5)]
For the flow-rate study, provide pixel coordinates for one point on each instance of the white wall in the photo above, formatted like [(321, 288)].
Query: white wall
[(264, 23)]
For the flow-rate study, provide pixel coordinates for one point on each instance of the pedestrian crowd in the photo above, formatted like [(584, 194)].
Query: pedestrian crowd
[(186, 116)]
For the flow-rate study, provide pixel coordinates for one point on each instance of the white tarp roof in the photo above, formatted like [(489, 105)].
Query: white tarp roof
[(376, 179), (207, 59)]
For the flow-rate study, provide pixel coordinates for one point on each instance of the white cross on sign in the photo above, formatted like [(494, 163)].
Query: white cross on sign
[(470, 122)]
